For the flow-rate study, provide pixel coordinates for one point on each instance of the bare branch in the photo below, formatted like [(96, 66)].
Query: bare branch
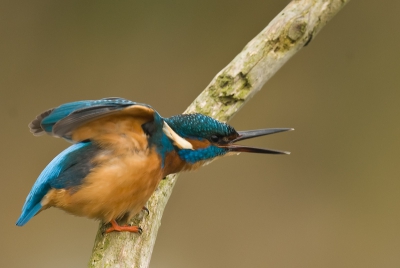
[(231, 88)]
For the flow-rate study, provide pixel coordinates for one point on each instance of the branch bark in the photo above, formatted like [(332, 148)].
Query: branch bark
[(293, 28)]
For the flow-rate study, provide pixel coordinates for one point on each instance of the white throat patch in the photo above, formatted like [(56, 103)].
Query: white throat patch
[(178, 140)]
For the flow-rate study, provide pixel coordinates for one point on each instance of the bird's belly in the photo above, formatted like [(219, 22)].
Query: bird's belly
[(121, 186)]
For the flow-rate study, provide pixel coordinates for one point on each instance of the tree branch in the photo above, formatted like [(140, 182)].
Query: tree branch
[(230, 89)]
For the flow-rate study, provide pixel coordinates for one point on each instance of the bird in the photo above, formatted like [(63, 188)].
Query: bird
[(120, 152)]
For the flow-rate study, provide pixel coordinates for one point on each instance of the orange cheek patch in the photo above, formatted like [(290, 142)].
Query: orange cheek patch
[(198, 144)]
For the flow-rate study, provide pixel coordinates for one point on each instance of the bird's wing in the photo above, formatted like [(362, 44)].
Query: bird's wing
[(64, 120), (65, 171)]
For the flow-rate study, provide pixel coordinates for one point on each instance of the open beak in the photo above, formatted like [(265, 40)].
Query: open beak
[(244, 135)]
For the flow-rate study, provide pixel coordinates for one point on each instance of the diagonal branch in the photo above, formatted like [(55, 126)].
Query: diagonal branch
[(230, 89)]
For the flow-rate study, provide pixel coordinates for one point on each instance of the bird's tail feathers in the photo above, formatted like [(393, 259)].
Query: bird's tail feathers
[(27, 215)]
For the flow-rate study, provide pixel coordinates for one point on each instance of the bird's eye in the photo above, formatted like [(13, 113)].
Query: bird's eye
[(214, 138)]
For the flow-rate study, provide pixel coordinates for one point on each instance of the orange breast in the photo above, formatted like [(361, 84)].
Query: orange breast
[(116, 188), (127, 172)]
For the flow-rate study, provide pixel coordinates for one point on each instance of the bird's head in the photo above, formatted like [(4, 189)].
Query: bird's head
[(200, 138)]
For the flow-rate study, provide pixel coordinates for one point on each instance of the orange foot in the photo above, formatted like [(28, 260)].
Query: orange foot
[(117, 228)]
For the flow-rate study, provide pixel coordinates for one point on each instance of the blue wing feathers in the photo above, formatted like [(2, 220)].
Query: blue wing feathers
[(46, 121), (25, 217), (77, 167), (61, 112), (35, 126), (70, 167), (66, 170), (65, 126)]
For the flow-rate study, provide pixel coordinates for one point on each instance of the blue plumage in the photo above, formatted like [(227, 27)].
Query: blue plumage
[(66, 170), (60, 112), (76, 166), (157, 138), (61, 120), (193, 156), (198, 126), (122, 151)]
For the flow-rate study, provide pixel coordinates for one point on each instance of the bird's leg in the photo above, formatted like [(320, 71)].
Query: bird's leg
[(117, 228)]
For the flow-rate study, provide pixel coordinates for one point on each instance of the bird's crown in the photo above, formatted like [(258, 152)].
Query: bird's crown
[(200, 126)]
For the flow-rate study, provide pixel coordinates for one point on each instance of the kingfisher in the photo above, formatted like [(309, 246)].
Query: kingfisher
[(120, 152)]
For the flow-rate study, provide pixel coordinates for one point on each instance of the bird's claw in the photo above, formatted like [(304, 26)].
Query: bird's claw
[(147, 210)]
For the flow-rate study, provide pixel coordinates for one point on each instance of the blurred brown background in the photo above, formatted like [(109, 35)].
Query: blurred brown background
[(334, 202)]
